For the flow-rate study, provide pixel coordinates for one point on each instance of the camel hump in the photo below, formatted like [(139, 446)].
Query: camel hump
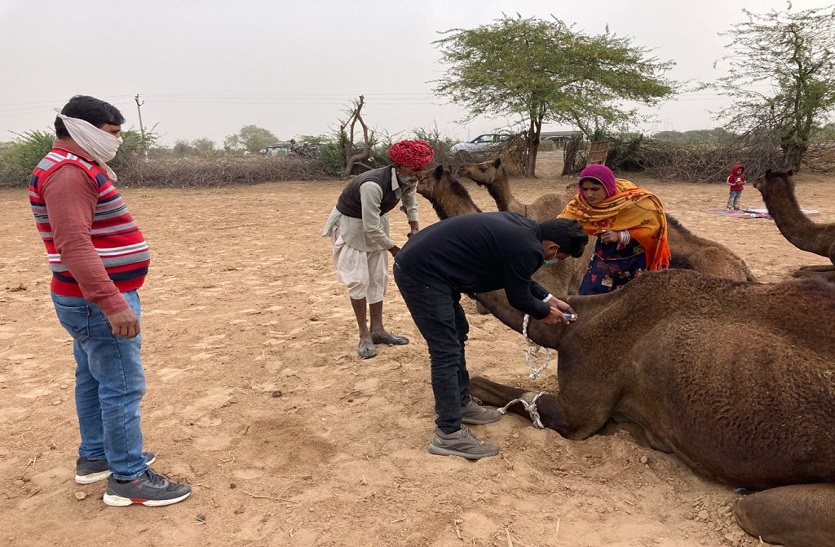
[(801, 515)]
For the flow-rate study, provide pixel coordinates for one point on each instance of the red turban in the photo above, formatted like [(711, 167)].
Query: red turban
[(416, 154)]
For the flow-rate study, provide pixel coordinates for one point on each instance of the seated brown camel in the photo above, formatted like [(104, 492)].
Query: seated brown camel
[(689, 251), (777, 189), (736, 379)]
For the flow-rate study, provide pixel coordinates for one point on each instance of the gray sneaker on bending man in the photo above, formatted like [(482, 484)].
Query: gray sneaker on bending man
[(474, 414), (461, 443)]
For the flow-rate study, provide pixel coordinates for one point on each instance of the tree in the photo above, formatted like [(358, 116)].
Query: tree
[(250, 138), (204, 147), (545, 71), (793, 55), (351, 152)]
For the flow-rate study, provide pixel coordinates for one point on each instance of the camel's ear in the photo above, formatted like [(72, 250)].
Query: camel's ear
[(497, 163), (790, 172), (767, 173), (439, 171)]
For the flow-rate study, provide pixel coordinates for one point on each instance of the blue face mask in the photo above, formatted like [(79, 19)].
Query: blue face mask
[(550, 261)]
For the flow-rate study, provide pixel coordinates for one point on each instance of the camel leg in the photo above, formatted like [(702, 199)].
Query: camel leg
[(801, 515), (493, 393), (826, 273), (816, 268), (498, 395)]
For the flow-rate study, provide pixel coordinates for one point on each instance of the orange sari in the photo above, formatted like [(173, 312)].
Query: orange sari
[(632, 208)]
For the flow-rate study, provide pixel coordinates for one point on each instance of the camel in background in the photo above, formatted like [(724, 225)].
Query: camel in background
[(736, 379), (447, 195), (450, 198), (777, 189), (689, 251)]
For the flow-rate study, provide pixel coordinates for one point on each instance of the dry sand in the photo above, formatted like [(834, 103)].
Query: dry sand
[(257, 398)]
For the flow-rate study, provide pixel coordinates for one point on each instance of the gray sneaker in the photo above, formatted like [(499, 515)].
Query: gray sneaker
[(90, 471), (475, 414), (461, 443), (149, 489)]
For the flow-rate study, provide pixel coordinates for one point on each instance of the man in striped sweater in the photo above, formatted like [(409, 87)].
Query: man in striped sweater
[(99, 260)]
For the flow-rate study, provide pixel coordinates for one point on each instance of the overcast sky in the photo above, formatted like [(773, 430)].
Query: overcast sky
[(205, 69)]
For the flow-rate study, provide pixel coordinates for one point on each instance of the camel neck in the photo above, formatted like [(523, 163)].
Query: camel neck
[(783, 207)]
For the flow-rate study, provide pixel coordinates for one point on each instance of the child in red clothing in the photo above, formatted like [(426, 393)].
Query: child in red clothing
[(736, 181)]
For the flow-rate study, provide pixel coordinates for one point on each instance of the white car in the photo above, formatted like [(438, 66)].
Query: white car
[(483, 143)]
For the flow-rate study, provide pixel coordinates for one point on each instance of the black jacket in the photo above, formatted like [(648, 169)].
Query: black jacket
[(480, 252)]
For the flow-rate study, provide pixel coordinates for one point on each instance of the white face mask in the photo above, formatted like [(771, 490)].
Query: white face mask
[(99, 144)]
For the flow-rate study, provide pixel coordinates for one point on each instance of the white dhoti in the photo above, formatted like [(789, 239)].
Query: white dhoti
[(365, 273)]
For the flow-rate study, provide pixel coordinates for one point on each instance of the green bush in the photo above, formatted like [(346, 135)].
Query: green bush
[(19, 157)]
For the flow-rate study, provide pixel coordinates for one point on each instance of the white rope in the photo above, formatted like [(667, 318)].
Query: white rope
[(530, 407), (533, 349)]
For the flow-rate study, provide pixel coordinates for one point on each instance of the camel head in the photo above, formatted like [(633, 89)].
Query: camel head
[(774, 181), (436, 182), (446, 193), (484, 173)]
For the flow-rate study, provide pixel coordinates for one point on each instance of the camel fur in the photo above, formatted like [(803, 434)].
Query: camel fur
[(689, 251), (736, 379), (777, 189), (448, 196)]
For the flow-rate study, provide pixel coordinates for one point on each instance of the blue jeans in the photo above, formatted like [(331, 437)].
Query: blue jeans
[(109, 385), (440, 319), (733, 198)]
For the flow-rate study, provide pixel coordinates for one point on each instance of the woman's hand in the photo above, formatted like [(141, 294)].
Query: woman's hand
[(608, 236)]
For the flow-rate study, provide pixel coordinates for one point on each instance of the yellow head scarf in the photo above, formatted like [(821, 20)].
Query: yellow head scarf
[(630, 208)]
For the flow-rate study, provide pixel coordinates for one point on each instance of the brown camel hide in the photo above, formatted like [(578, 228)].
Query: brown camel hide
[(736, 379), (777, 189)]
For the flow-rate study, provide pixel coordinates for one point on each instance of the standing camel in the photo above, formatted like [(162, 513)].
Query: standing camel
[(777, 189), (689, 251), (450, 198), (447, 195)]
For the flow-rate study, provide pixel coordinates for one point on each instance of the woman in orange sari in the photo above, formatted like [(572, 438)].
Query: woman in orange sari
[(630, 226)]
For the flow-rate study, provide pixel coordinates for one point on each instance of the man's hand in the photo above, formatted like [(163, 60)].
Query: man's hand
[(560, 307), (124, 323), (394, 250), (554, 317)]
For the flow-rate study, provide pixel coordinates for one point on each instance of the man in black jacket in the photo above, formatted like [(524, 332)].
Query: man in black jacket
[(472, 254)]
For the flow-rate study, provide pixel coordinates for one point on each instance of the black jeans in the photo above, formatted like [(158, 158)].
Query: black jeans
[(441, 320)]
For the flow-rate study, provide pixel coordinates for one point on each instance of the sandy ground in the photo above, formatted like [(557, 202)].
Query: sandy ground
[(257, 397)]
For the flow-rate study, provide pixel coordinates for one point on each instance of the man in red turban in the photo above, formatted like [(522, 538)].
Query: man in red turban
[(359, 230)]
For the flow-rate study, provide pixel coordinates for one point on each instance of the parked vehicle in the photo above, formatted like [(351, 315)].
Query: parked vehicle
[(305, 150), (483, 143)]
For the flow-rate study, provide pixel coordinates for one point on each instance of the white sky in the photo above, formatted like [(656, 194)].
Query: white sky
[(206, 68)]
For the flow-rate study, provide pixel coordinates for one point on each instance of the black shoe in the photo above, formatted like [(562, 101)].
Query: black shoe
[(148, 489), (90, 471)]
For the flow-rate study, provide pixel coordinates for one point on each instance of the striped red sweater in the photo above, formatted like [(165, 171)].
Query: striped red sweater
[(116, 240)]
